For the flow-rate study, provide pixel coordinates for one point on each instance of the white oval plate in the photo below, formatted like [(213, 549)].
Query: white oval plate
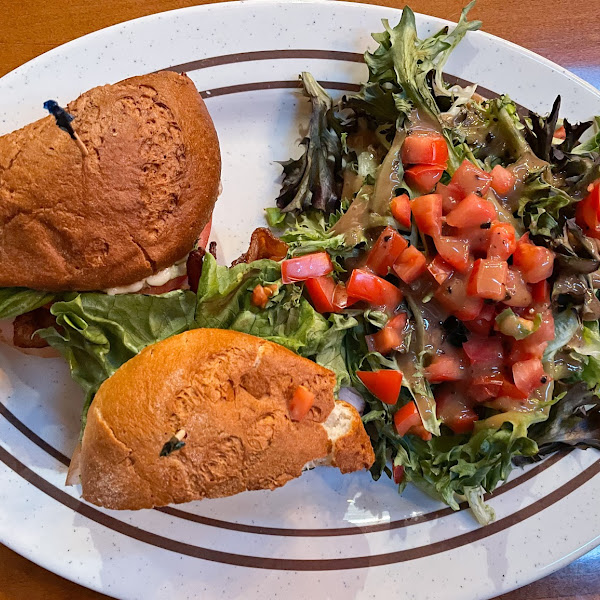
[(324, 535)]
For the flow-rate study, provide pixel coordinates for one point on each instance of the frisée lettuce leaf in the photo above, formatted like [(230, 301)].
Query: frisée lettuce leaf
[(454, 468)]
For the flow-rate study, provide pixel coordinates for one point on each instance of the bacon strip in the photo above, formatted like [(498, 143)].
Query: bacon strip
[(263, 244), (26, 325)]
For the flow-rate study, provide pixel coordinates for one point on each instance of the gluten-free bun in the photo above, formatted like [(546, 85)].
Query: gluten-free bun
[(229, 393), (132, 206)]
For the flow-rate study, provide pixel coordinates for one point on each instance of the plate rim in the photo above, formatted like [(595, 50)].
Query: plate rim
[(234, 5)]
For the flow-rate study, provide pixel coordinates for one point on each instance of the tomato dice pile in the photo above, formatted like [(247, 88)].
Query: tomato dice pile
[(425, 156), (473, 267)]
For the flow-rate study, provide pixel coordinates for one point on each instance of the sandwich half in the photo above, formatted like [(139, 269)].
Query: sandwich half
[(210, 413), (130, 207)]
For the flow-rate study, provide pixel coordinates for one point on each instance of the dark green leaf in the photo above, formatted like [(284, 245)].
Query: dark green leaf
[(314, 179), (15, 301)]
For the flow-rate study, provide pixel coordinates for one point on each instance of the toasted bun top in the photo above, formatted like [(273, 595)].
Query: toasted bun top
[(229, 392), (133, 206)]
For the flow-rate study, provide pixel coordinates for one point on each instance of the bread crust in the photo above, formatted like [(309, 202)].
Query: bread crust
[(352, 451), (133, 206), (229, 391)]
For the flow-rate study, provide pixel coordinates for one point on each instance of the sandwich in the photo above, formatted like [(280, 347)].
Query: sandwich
[(120, 210), (210, 413)]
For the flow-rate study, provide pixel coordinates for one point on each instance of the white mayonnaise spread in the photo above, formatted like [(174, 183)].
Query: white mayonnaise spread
[(158, 279)]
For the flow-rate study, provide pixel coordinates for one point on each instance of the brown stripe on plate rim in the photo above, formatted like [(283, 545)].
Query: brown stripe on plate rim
[(284, 564), (33, 437), (285, 532), (331, 85), (274, 85), (365, 529), (290, 53), (283, 54)]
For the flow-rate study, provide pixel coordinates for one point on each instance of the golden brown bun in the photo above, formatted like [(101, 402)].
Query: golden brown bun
[(133, 206), (229, 392)]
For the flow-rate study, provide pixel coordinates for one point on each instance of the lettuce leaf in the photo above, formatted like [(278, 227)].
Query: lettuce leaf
[(593, 143), (98, 333), (452, 467), (15, 301), (587, 346), (574, 421)]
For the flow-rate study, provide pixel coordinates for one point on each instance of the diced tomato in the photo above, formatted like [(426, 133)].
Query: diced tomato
[(388, 247), (321, 291), (455, 251), (400, 207), (327, 295), (205, 234), (398, 474), (445, 367), (473, 211), (482, 393), (384, 384), (503, 181), (488, 377), (484, 322), (522, 350), (485, 385), (427, 212), (540, 293), (423, 178), (451, 196), (306, 267), (440, 269), (512, 391), (560, 133), (587, 212), (259, 296), (410, 265), (529, 375), (488, 279), (420, 431), (484, 351), (425, 149), (545, 332), (470, 179), (364, 285), (405, 417), (536, 263), (453, 410), (300, 403), (517, 291), (390, 337), (341, 299), (452, 295), (479, 239), (503, 241)]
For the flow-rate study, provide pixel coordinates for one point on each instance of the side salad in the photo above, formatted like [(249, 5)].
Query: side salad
[(461, 233), (442, 259)]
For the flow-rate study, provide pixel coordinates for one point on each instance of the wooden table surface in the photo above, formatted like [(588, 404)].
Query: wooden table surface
[(565, 32)]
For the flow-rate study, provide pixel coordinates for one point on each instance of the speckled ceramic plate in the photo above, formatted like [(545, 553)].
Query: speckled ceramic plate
[(324, 535)]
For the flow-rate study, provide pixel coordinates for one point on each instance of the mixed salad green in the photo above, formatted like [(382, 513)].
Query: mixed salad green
[(443, 260)]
